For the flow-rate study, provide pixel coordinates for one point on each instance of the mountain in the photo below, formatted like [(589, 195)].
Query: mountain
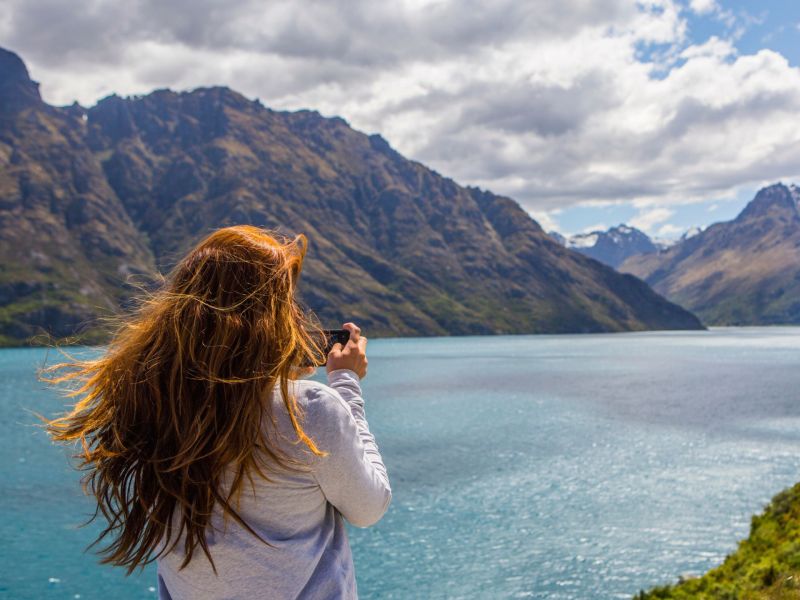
[(765, 565), (94, 196), (610, 247), (740, 272), (66, 240)]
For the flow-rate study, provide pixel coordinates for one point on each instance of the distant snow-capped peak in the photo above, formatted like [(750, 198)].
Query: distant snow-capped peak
[(795, 191), (620, 235), (691, 232), (583, 240), (616, 244)]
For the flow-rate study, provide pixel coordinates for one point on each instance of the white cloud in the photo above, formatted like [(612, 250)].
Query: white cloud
[(547, 220), (555, 103), (595, 227), (702, 7), (714, 48), (646, 220), (669, 230)]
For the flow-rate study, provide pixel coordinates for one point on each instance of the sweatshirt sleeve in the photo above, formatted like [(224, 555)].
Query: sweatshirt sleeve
[(352, 474)]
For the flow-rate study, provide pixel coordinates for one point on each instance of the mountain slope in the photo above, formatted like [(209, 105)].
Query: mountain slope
[(67, 242), (393, 244), (741, 272)]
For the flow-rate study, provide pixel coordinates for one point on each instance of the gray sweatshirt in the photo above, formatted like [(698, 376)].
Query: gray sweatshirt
[(298, 513)]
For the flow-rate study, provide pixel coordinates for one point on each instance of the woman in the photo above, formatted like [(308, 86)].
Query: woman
[(206, 451)]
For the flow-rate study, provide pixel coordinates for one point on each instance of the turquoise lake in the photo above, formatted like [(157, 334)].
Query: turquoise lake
[(575, 466)]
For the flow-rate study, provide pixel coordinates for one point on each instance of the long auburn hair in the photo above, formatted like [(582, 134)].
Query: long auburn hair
[(179, 398)]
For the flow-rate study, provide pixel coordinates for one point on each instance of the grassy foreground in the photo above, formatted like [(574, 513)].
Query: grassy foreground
[(766, 565)]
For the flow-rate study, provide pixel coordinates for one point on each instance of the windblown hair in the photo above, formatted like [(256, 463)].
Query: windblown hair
[(181, 395)]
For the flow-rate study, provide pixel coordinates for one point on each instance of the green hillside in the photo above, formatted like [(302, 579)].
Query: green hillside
[(765, 566)]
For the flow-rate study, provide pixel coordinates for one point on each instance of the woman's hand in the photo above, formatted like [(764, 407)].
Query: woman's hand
[(352, 355)]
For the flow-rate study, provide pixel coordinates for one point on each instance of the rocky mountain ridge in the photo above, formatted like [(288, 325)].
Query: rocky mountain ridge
[(93, 197), (740, 272)]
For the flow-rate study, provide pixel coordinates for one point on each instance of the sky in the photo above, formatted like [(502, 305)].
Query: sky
[(663, 114)]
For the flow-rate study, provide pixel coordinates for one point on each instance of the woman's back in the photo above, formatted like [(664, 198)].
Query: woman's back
[(298, 512), (202, 448)]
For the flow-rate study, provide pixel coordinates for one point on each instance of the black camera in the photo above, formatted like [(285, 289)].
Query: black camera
[(331, 338)]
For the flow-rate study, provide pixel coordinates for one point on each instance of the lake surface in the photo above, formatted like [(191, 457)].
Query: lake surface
[(584, 466)]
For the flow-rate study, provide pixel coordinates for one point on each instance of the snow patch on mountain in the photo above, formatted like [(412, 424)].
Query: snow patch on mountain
[(583, 240), (615, 245)]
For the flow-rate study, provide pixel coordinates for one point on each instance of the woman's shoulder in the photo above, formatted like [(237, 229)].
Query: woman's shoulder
[(318, 399), (315, 399), (321, 411)]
